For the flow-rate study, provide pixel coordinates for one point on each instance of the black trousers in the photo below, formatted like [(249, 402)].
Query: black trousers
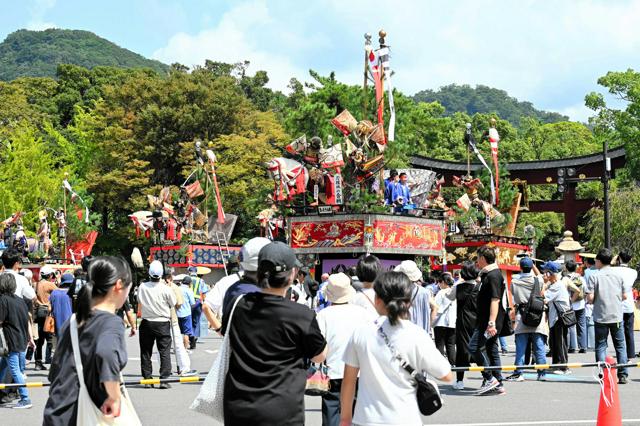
[(446, 342), (463, 357), (628, 319), (558, 340), (43, 337), (160, 333)]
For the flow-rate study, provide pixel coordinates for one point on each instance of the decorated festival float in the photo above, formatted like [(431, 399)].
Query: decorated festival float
[(63, 250), (335, 200)]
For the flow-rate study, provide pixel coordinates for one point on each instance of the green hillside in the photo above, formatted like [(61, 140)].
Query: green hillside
[(38, 53), (485, 100)]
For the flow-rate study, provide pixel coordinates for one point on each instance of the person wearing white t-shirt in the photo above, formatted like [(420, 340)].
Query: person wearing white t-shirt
[(12, 264), (576, 285), (444, 326), (629, 276), (337, 323), (367, 270), (386, 394)]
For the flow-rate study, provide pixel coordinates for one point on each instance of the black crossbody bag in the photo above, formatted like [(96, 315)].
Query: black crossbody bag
[(427, 393)]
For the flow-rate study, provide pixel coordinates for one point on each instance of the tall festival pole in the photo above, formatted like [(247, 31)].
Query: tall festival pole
[(367, 50), (64, 205)]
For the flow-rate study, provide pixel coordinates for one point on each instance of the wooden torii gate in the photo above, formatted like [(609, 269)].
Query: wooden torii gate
[(586, 168)]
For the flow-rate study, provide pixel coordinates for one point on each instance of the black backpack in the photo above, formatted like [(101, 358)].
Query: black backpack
[(532, 311)]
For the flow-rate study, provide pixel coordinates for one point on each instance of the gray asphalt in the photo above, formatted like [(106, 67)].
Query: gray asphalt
[(563, 400)]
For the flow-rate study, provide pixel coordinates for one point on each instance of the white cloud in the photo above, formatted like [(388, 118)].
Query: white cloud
[(229, 42), (37, 12), (577, 112)]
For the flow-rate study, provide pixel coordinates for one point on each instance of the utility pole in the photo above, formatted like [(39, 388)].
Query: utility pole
[(605, 185)]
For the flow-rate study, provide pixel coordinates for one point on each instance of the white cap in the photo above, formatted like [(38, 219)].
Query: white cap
[(46, 270), (27, 273), (249, 253), (410, 269), (156, 269)]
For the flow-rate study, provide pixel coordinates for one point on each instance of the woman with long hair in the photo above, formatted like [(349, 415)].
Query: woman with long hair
[(386, 394), (101, 341)]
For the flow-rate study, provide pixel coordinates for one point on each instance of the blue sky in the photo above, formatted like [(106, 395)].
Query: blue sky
[(548, 52)]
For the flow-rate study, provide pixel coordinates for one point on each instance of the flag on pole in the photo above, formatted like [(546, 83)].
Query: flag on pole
[(383, 54), (194, 189), (472, 143), (494, 138), (67, 186)]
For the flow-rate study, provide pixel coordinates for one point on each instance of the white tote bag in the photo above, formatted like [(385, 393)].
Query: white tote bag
[(210, 400), (88, 413)]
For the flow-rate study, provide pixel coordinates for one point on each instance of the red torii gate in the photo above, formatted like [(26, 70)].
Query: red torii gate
[(587, 168)]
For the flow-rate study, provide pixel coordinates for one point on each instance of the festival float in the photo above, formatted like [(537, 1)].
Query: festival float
[(329, 201)]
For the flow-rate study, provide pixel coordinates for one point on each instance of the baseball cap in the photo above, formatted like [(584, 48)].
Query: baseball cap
[(553, 267), (339, 289), (67, 278), (526, 262), (410, 269), (280, 257), (250, 251), (156, 269), (46, 270), (186, 280), (193, 270)]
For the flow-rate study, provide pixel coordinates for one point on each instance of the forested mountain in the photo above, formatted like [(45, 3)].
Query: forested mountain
[(27, 53), (484, 99)]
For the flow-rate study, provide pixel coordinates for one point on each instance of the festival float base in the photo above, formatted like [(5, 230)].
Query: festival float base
[(181, 257)]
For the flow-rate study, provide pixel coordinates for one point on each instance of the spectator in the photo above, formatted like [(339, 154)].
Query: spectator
[(629, 276), (422, 309), (444, 327), (155, 300), (80, 280), (576, 285), (43, 291), (337, 323), (269, 339), (484, 341), (11, 262), (606, 291), (184, 311), (179, 348), (465, 295), (102, 347), (200, 290), (386, 394), (14, 318), (589, 270), (522, 285), (60, 302), (367, 270), (556, 296), (322, 299)]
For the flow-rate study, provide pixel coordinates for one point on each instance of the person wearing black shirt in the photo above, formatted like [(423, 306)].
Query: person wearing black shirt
[(102, 347), (14, 319), (270, 337), (483, 345)]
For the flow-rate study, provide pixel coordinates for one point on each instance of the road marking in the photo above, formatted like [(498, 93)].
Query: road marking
[(542, 422), (209, 351)]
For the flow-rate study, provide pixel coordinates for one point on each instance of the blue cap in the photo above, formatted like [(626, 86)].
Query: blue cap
[(67, 278), (193, 270), (553, 267), (526, 262)]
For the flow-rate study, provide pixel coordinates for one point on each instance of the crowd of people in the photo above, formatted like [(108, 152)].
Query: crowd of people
[(364, 326)]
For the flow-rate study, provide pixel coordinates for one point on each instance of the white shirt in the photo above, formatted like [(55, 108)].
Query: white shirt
[(446, 310), (579, 304), (215, 296), (629, 277), (365, 299), (157, 299), (385, 393), (23, 288), (337, 324)]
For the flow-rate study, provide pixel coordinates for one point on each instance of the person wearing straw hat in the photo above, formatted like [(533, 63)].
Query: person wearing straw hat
[(337, 323)]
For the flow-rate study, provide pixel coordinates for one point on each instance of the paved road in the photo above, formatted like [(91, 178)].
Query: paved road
[(564, 400)]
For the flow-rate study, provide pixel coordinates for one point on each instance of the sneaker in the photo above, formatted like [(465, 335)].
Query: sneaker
[(505, 351), (25, 403), (561, 372), (164, 386), (622, 380), (500, 390), (189, 373), (572, 351), (488, 385), (542, 378), (40, 366), (517, 377), (582, 351), (458, 385)]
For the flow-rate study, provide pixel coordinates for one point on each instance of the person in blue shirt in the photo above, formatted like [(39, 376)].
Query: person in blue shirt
[(401, 194), (61, 302), (184, 311), (389, 184), (199, 289)]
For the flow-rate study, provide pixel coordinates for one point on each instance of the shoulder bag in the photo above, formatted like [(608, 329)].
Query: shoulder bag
[(88, 413), (317, 380), (210, 399), (49, 324), (427, 393), (567, 317)]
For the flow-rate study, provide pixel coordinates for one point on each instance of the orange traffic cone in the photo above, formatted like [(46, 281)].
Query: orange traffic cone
[(609, 413)]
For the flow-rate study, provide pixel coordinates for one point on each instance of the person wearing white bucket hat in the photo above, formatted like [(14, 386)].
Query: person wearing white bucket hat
[(337, 323), (423, 308)]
